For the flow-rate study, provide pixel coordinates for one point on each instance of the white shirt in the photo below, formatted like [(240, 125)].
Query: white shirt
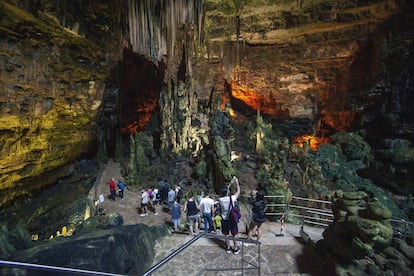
[(145, 197), (225, 204), (171, 195), (206, 204)]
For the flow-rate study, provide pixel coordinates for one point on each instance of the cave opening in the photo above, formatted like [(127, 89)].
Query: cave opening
[(141, 81)]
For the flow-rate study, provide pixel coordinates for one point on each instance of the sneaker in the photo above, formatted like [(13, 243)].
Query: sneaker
[(236, 251), (156, 213), (228, 250), (142, 215)]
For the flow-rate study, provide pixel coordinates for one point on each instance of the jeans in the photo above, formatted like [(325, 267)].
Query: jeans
[(113, 194), (176, 224), (208, 222)]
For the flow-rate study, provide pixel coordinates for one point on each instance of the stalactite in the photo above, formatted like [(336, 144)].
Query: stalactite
[(167, 31), (153, 24)]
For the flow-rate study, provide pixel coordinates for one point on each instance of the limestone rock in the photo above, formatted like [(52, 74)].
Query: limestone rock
[(50, 92), (115, 220), (123, 250), (355, 235), (375, 210)]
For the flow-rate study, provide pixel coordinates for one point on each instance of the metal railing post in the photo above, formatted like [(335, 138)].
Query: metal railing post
[(405, 229), (287, 209)]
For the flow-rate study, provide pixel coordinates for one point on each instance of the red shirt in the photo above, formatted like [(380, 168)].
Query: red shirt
[(112, 185)]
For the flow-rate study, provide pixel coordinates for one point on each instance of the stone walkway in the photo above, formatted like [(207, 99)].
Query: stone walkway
[(280, 255)]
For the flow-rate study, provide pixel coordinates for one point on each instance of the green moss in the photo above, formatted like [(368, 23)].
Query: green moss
[(5, 54), (17, 23)]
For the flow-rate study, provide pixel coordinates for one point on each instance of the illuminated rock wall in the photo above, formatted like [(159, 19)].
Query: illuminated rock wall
[(300, 60), (51, 83)]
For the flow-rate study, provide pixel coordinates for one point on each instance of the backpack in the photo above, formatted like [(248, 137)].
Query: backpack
[(259, 214), (234, 214)]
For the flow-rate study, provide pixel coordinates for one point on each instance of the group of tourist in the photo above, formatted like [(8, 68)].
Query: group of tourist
[(163, 194), (215, 214)]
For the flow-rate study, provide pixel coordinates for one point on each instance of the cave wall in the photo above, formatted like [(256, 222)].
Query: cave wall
[(303, 60), (51, 82)]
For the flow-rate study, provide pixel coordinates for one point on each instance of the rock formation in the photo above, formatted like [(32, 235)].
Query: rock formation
[(360, 240), (52, 81)]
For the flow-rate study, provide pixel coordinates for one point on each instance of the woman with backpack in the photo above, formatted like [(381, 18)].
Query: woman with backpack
[(259, 215), (193, 216), (227, 202)]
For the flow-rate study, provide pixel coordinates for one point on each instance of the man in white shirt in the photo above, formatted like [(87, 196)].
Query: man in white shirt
[(225, 205), (144, 203), (207, 208)]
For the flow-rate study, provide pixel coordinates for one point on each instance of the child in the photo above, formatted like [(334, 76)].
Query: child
[(217, 222), (121, 187)]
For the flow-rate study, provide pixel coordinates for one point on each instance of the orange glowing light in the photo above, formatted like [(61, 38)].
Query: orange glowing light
[(336, 120), (312, 141), (266, 105), (143, 115)]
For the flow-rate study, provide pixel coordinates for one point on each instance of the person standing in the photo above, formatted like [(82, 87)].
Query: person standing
[(112, 188), (259, 215), (178, 192), (155, 200), (217, 222), (207, 209), (166, 188), (144, 202), (176, 215), (160, 187), (121, 187), (227, 228), (193, 216), (171, 198)]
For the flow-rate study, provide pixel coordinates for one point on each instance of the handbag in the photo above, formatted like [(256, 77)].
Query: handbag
[(234, 213)]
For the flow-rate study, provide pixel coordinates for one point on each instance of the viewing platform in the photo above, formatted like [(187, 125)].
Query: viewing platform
[(280, 253)]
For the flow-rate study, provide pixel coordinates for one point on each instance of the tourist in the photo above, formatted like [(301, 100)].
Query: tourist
[(121, 187), (207, 209), (176, 215), (160, 187), (193, 216), (164, 194), (144, 203), (150, 198), (112, 188), (259, 215), (155, 200), (171, 198), (227, 228), (217, 222), (178, 192)]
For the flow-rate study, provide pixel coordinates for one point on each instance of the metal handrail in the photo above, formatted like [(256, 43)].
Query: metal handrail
[(210, 236), (54, 268), (407, 226)]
